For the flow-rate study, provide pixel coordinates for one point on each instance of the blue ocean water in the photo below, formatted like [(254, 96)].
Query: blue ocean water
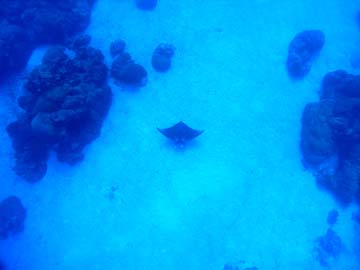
[(106, 190)]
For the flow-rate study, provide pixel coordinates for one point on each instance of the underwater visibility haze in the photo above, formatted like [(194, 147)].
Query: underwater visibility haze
[(198, 135)]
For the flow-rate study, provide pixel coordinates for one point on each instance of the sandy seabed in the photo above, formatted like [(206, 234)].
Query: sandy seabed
[(237, 193)]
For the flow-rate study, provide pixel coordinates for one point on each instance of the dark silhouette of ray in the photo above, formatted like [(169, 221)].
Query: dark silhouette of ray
[(180, 133)]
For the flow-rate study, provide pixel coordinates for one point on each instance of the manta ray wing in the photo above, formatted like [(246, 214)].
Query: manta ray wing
[(180, 132)]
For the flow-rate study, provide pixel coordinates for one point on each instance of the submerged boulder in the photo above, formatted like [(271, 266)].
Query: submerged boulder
[(302, 51), (12, 217)]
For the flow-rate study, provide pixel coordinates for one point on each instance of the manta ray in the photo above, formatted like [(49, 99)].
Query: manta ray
[(180, 133)]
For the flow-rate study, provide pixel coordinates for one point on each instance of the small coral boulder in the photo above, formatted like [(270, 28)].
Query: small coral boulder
[(161, 58), (146, 4), (126, 71), (302, 51), (12, 217)]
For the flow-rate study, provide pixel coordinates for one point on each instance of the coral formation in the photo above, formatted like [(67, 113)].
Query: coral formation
[(328, 247), (241, 265), (356, 216), (117, 47), (330, 136), (332, 217), (302, 51), (12, 217), (25, 24), (161, 58), (146, 4), (126, 71), (16, 46), (66, 100)]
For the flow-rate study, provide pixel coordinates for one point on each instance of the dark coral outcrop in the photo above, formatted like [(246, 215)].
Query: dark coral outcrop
[(16, 46), (117, 47), (356, 216), (12, 217), (25, 24), (330, 137), (332, 217), (65, 103), (328, 247), (241, 266), (146, 4), (302, 50), (161, 58), (317, 143), (126, 71)]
